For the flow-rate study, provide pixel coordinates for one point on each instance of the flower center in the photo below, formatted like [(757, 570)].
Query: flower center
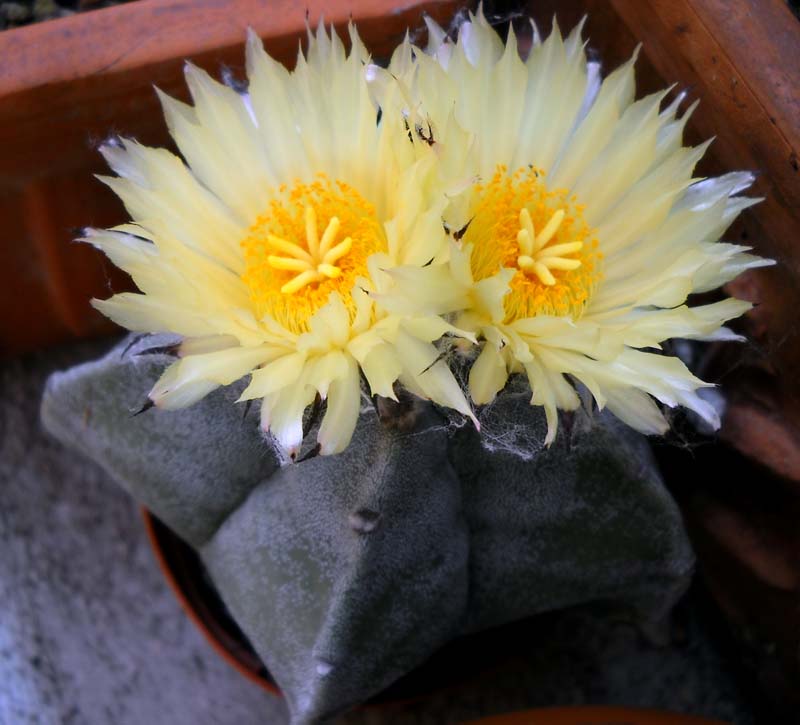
[(518, 223), (314, 239)]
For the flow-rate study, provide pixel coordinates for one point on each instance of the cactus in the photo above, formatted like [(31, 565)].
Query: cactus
[(347, 571)]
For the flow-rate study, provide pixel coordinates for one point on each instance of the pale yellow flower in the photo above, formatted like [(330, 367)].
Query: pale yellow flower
[(261, 250), (578, 232)]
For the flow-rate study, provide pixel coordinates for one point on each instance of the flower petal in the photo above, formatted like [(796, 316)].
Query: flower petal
[(278, 374), (487, 376), (344, 404)]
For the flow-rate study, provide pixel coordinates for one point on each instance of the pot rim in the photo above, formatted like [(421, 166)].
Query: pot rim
[(190, 610)]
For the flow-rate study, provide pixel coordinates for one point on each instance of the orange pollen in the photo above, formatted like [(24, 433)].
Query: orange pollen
[(518, 223), (313, 239)]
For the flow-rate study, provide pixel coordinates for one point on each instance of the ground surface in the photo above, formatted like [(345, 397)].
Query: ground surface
[(90, 633)]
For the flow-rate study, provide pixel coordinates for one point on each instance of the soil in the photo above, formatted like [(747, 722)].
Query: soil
[(26, 12)]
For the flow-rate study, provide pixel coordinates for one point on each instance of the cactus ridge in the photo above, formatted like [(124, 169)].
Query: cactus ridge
[(348, 571)]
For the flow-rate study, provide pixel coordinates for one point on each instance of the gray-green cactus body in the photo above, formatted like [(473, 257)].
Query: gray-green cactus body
[(192, 466), (347, 571), (587, 519)]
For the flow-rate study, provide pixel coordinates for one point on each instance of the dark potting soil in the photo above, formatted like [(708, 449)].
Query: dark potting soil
[(15, 13)]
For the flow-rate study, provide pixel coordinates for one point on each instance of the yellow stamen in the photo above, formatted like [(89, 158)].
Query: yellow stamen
[(525, 262), (526, 223), (289, 248), (550, 229), (295, 265), (311, 231), (297, 283), (558, 249), (525, 240), (543, 273), (558, 267), (328, 236), (317, 262), (329, 270), (559, 263), (538, 258), (338, 251), (290, 269)]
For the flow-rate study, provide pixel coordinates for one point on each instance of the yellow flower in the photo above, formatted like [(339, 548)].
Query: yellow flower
[(577, 230), (262, 250)]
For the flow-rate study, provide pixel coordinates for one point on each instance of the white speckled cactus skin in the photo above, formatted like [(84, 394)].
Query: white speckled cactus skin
[(347, 571)]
